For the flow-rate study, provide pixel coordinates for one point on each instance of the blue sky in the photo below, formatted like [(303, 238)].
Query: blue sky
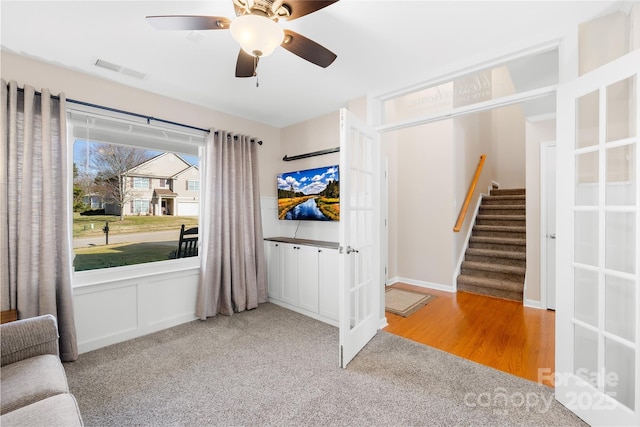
[(310, 181)]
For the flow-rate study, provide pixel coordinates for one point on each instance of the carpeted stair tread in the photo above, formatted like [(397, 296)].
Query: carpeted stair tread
[(503, 228), (502, 285), (497, 253), (508, 217), (497, 207), (498, 240), (505, 197), (508, 192), (495, 293), (502, 210), (492, 267), (503, 200)]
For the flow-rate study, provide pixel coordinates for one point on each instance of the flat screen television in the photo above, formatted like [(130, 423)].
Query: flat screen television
[(310, 194)]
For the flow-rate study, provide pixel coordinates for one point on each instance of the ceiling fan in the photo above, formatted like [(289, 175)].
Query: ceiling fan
[(257, 31)]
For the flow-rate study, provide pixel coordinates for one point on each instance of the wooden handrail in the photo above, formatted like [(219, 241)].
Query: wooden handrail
[(467, 200)]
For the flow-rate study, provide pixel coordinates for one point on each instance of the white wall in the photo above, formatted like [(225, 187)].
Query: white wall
[(421, 225), (321, 133), (508, 150), (472, 137)]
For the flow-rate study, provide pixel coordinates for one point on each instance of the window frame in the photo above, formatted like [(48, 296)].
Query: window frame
[(196, 183), (138, 180), (193, 145)]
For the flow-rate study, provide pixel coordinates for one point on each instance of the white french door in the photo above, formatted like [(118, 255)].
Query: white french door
[(598, 245), (360, 264), (548, 196)]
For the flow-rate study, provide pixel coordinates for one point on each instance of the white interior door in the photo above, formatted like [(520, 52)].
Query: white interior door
[(360, 263), (549, 231), (598, 241)]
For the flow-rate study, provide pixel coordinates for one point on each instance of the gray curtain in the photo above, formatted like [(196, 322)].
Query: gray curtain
[(35, 255), (233, 273)]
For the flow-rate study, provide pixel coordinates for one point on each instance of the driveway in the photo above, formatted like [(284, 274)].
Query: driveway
[(161, 237)]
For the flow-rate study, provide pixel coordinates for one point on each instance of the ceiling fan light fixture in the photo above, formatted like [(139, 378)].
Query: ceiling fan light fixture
[(257, 35)]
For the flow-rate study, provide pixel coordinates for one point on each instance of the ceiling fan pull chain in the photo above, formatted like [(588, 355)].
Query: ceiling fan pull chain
[(255, 70)]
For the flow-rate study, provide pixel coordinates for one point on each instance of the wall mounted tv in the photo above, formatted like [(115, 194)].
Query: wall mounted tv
[(311, 194)]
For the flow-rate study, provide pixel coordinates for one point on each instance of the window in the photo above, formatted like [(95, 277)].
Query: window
[(140, 206), (516, 76), (193, 185), (140, 182), (120, 186)]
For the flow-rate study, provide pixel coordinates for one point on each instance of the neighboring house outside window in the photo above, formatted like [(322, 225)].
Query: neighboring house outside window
[(163, 200), (186, 185)]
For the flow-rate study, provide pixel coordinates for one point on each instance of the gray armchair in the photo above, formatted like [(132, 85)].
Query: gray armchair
[(33, 383)]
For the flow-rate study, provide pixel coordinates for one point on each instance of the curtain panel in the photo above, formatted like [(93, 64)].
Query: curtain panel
[(35, 255), (233, 273)]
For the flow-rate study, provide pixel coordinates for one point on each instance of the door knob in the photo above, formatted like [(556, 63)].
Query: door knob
[(350, 249), (551, 236)]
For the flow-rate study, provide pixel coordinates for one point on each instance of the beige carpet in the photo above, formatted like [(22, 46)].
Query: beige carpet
[(403, 302), (274, 367)]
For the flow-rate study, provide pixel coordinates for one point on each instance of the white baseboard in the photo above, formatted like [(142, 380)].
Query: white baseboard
[(533, 304), (422, 284)]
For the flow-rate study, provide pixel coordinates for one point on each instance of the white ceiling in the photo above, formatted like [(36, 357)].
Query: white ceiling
[(381, 46)]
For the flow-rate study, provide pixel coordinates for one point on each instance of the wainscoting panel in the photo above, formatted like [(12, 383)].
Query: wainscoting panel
[(111, 312)]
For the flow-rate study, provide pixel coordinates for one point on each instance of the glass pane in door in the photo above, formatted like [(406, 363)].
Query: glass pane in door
[(587, 123), (586, 237), (619, 367), (620, 241), (585, 360), (621, 185), (586, 296), (621, 109), (587, 178), (619, 313)]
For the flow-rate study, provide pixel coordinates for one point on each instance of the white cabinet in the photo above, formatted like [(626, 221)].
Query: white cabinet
[(272, 259), (328, 283), (303, 278)]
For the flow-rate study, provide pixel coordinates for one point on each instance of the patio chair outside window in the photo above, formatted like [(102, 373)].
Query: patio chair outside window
[(188, 243)]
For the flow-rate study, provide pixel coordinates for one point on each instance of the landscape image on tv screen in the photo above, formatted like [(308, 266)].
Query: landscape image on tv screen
[(312, 194)]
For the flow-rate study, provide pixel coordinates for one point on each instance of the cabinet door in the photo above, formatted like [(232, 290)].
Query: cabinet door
[(289, 272), (328, 279), (272, 255), (308, 277)]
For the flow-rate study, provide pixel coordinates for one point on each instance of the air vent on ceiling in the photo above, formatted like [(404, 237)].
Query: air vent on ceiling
[(119, 69)]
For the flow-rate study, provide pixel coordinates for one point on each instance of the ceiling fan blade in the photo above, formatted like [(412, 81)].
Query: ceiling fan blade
[(307, 49), (300, 8), (246, 64), (189, 22)]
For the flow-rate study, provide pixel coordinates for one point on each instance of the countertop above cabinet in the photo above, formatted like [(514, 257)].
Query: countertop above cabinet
[(307, 242)]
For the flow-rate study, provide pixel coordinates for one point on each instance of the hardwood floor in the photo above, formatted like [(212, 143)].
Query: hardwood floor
[(498, 333)]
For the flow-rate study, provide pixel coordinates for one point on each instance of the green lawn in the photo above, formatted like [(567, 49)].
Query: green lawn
[(120, 254), (115, 255), (91, 225)]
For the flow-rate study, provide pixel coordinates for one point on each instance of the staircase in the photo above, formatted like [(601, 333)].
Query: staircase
[(494, 263)]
